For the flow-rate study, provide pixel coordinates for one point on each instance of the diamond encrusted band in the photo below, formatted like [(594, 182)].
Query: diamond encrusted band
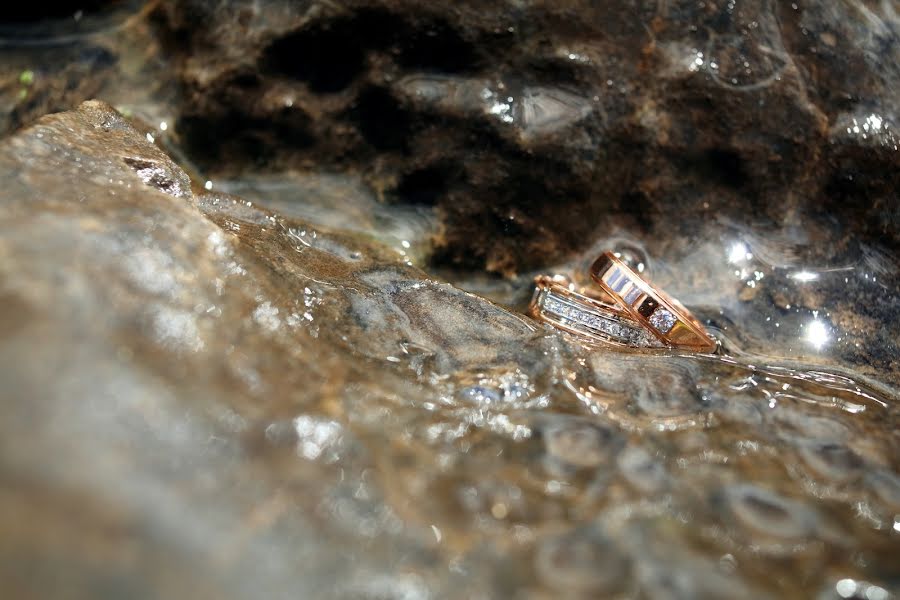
[(556, 303), (662, 315)]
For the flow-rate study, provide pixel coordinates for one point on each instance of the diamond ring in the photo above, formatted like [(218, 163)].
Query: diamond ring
[(663, 316), (556, 302)]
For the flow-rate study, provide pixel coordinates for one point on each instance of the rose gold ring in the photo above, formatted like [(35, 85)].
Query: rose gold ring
[(662, 315), (585, 314)]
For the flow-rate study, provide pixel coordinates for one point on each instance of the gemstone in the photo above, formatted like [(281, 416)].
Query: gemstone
[(613, 277), (590, 322), (632, 294), (617, 280), (662, 320)]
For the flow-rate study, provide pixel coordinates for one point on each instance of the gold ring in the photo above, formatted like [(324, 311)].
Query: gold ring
[(556, 302), (662, 315)]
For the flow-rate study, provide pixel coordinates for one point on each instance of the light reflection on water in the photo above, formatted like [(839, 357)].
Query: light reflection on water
[(817, 334)]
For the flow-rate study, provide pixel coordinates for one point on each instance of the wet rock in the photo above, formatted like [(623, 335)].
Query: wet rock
[(237, 402), (886, 486), (24, 13), (852, 589), (793, 425), (534, 129), (152, 335)]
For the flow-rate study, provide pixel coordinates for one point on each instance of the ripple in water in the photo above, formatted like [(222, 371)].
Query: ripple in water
[(584, 561)]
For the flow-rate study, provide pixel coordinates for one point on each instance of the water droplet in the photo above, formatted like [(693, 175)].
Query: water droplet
[(764, 512), (583, 561), (832, 461), (578, 444)]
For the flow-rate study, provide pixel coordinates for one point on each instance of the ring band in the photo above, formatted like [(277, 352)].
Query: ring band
[(554, 302), (661, 314)]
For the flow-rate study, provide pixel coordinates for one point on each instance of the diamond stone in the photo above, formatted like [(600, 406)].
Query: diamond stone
[(662, 320), (632, 295)]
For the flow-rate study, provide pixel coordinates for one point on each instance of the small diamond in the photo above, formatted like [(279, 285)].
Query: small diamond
[(662, 320)]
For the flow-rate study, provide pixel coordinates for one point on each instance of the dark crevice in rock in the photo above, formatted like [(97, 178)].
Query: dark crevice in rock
[(556, 71), (328, 59), (383, 122), (427, 185), (329, 55), (858, 187), (246, 80), (634, 205), (723, 166), (542, 196), (212, 138), (437, 47)]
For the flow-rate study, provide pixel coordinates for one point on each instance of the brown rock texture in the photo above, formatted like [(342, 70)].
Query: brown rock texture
[(534, 127)]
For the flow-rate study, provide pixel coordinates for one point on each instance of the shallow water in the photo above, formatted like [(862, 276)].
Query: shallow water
[(311, 409), (770, 467)]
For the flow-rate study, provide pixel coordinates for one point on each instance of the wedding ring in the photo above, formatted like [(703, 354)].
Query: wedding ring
[(663, 316), (556, 302)]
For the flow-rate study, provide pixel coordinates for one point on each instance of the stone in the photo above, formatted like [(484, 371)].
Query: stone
[(533, 130), (154, 337), (662, 320)]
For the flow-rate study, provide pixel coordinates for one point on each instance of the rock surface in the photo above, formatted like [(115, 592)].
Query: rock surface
[(204, 398), (536, 127)]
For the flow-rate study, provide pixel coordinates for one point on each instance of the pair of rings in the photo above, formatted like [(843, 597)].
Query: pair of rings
[(624, 310)]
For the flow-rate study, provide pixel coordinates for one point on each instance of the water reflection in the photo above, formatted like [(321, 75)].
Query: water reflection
[(850, 588), (739, 253), (804, 276), (817, 334)]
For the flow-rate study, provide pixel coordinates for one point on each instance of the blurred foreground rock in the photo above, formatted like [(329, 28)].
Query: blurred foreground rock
[(157, 347), (534, 127), (202, 398)]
